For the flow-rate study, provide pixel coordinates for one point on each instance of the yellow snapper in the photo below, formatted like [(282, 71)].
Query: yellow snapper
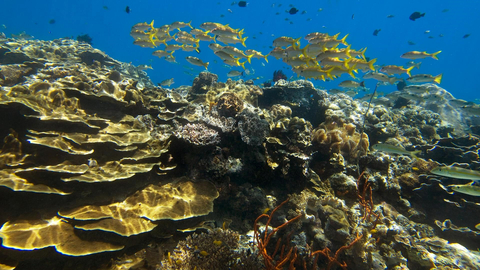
[(277, 52), (161, 53), (143, 26), (362, 64), (167, 82), (352, 84), (227, 31), (425, 78), (232, 40), (234, 73), (256, 54), (215, 47), (385, 147), (179, 25), (235, 52), (205, 37), (210, 25), (392, 69), (196, 61), (456, 172), (286, 41), (468, 189), (419, 55), (379, 77)]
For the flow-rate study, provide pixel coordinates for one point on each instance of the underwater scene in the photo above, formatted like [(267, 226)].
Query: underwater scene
[(218, 135)]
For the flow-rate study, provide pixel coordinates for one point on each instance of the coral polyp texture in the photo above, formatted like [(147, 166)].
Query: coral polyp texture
[(101, 169)]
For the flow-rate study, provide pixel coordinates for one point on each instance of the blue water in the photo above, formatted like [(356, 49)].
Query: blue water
[(110, 29)]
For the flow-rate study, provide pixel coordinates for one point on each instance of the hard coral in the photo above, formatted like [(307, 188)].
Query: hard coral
[(204, 82), (229, 104), (198, 134), (252, 128), (333, 137), (217, 249)]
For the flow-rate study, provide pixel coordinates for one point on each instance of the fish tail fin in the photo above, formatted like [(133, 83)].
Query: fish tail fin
[(345, 63), (347, 50), (363, 53), (414, 153), (190, 24), (304, 50), (240, 33), (408, 71), (392, 80), (243, 41), (249, 57), (297, 42), (241, 64), (151, 24), (206, 65), (328, 73), (434, 55), (266, 56), (152, 39), (343, 39), (350, 72), (438, 78), (370, 64), (214, 39)]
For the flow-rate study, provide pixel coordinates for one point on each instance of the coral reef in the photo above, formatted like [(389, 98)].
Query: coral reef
[(217, 249), (96, 159)]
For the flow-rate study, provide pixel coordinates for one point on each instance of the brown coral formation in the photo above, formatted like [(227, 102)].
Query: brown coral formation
[(229, 105), (217, 249), (332, 137)]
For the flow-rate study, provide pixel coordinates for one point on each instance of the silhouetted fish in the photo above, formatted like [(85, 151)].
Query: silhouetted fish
[(401, 85), (127, 9), (416, 15), (242, 3), (375, 33), (293, 11)]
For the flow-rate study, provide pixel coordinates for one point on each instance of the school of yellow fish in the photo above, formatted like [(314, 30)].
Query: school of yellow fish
[(174, 38), (324, 57)]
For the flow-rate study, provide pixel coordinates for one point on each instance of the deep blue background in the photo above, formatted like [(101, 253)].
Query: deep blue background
[(110, 32)]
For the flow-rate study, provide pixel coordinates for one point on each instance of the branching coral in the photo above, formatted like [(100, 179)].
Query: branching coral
[(286, 257), (334, 260), (366, 201)]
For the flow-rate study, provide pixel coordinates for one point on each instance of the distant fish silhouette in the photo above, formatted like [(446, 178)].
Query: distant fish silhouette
[(375, 33), (242, 3), (293, 11), (466, 36), (127, 9), (416, 15)]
